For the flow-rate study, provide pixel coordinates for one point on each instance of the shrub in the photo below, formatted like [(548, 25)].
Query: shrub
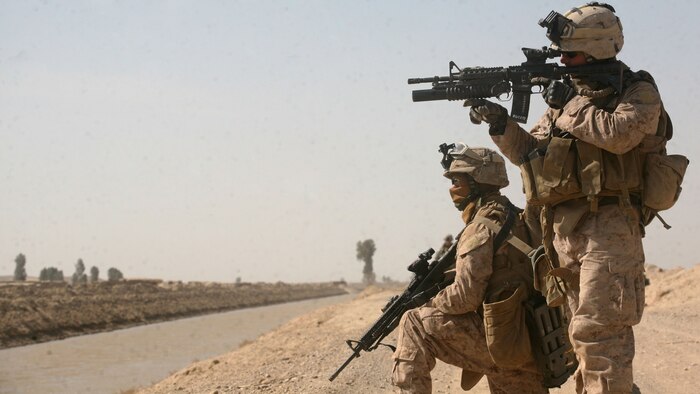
[(114, 275), (94, 274)]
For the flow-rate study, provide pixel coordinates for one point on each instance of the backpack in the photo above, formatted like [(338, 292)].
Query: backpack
[(662, 173)]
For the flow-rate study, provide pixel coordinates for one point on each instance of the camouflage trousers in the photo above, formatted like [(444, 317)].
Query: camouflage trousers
[(605, 250), (426, 334)]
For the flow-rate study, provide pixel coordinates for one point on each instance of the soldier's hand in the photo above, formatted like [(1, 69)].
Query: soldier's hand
[(557, 94), (486, 111)]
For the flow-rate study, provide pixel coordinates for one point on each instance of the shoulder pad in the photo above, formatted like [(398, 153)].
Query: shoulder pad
[(473, 236), (494, 210), (639, 76)]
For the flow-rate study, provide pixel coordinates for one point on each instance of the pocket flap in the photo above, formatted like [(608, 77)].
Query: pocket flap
[(554, 160), (678, 163)]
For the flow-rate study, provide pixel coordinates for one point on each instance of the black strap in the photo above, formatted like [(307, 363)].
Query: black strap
[(507, 225)]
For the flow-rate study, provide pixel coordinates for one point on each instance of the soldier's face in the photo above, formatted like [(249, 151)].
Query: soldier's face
[(459, 190), (573, 59)]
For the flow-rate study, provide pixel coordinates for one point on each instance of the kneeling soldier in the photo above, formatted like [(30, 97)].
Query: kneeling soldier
[(476, 323)]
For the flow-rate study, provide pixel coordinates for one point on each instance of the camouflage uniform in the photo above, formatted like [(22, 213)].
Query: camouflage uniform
[(602, 247), (450, 327)]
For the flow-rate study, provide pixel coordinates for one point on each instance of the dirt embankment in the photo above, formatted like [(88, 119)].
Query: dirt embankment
[(38, 312), (301, 355)]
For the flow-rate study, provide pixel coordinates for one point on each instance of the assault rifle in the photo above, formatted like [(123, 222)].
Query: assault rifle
[(478, 83), (428, 280)]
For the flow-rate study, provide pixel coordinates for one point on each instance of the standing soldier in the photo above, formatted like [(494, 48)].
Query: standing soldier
[(583, 163), (491, 277)]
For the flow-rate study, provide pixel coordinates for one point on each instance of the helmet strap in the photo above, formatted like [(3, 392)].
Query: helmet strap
[(474, 193)]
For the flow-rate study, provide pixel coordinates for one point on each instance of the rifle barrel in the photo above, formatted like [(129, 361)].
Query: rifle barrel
[(345, 364), (412, 81)]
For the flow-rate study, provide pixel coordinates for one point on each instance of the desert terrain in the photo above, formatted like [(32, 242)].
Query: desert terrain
[(35, 312), (301, 355)]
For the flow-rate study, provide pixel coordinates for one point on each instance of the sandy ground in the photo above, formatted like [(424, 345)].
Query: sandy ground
[(301, 355)]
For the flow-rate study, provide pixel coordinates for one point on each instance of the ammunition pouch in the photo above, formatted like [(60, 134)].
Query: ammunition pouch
[(507, 335), (663, 175), (550, 286), (570, 169)]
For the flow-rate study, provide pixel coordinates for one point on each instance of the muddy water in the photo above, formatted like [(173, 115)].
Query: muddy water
[(116, 361)]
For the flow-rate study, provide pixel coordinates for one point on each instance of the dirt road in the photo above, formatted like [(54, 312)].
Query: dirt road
[(301, 355)]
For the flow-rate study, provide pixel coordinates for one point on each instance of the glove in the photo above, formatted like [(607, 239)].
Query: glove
[(557, 94), (493, 114)]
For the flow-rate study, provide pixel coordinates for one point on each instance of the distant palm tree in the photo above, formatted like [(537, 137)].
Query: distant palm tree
[(365, 252), (79, 277), (20, 271)]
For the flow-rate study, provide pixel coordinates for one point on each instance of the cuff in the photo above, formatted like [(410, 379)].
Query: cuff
[(498, 128), (506, 130)]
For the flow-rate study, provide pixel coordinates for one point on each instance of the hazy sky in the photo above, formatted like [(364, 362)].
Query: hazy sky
[(207, 140)]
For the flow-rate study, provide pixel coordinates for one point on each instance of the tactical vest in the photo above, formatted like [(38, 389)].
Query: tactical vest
[(519, 324), (565, 168), (511, 268), (509, 286)]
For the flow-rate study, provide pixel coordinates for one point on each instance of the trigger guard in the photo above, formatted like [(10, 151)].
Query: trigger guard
[(500, 90), (508, 96)]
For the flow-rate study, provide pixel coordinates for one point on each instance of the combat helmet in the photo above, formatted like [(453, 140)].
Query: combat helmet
[(593, 29), (483, 165)]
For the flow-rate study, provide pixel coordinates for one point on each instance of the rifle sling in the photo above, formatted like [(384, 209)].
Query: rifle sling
[(503, 233)]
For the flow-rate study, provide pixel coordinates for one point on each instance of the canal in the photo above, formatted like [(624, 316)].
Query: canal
[(117, 361)]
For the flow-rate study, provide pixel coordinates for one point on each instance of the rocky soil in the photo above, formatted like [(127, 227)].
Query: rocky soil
[(34, 312), (301, 355)]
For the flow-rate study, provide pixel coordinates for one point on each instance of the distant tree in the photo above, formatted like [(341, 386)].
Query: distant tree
[(51, 274), (365, 252), (20, 271), (94, 274), (43, 275), (79, 277), (114, 275), (238, 280)]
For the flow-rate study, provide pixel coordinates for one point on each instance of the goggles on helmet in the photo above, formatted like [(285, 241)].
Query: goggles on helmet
[(560, 27), (458, 150), (557, 26), (445, 149)]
